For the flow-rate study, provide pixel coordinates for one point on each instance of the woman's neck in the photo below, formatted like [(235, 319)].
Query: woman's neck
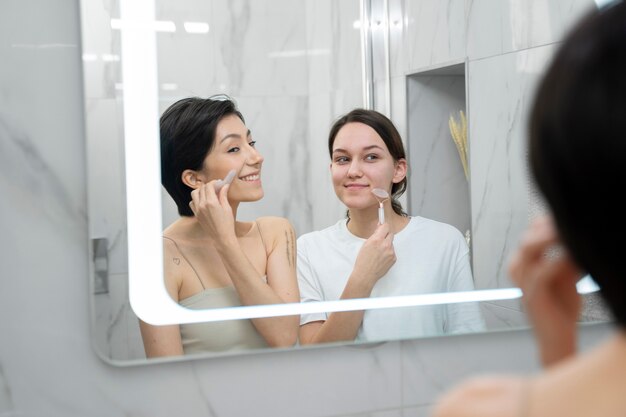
[(363, 222)]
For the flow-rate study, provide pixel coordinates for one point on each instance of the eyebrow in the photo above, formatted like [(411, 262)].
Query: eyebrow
[(367, 148), (235, 135)]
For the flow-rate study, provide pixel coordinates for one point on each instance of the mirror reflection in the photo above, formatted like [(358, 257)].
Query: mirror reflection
[(209, 166), (379, 250), (293, 68)]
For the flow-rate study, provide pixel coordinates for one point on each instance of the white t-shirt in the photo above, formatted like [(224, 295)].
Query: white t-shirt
[(432, 257)]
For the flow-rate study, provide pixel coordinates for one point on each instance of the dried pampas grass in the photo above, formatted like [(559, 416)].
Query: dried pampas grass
[(458, 130)]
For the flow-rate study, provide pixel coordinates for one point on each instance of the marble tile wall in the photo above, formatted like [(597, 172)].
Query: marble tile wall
[(506, 45), (501, 89), (47, 362)]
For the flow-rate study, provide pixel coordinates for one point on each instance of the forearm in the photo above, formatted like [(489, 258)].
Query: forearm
[(340, 326), (252, 290), (344, 325), (555, 346)]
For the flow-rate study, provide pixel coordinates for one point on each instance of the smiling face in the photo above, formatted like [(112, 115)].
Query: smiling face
[(234, 149), (361, 162)]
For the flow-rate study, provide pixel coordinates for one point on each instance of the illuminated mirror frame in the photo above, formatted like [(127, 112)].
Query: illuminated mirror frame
[(147, 293)]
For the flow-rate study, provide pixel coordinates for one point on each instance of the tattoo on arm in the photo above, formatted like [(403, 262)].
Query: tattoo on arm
[(290, 245), (287, 247)]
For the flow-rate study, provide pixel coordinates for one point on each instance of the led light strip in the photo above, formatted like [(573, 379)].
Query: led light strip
[(148, 296)]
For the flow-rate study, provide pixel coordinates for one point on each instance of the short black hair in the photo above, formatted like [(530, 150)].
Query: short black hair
[(388, 133), (577, 148), (187, 136)]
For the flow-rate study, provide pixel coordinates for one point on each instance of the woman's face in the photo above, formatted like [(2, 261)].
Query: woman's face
[(361, 162), (234, 149)]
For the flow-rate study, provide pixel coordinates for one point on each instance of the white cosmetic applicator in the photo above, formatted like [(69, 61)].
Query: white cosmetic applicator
[(382, 196), (227, 180)]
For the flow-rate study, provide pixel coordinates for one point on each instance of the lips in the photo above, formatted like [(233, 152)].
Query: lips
[(354, 186)]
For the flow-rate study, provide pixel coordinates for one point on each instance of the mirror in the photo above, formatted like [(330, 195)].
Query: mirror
[(293, 67)]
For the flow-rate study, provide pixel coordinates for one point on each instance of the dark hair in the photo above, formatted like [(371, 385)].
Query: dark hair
[(577, 148), (388, 133), (187, 136)]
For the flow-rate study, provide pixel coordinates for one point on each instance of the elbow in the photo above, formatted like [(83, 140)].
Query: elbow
[(285, 340)]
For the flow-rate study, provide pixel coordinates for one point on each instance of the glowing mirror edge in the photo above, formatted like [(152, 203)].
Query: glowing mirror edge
[(148, 296)]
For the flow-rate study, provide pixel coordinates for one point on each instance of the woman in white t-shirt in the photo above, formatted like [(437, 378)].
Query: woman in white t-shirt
[(358, 257)]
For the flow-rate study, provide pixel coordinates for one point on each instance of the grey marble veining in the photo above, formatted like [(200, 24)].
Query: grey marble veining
[(19, 150), (501, 89), (6, 400), (505, 26), (435, 34)]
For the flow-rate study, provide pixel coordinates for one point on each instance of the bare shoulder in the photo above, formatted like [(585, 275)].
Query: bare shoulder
[(485, 396), (274, 221), (174, 264), (278, 228)]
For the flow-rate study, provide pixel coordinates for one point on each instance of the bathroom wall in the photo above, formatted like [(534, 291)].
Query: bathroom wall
[(47, 364), (505, 46)]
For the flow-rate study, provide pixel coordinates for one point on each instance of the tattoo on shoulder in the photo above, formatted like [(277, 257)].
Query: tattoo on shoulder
[(176, 261)]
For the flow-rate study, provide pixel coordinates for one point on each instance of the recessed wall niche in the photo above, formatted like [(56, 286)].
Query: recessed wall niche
[(438, 188)]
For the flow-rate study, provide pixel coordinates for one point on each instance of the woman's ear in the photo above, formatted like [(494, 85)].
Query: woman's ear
[(191, 178), (400, 170)]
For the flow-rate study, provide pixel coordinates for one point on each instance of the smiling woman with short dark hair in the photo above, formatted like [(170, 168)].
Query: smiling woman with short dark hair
[(209, 165)]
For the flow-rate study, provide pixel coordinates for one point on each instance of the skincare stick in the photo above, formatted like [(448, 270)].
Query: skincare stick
[(227, 180), (381, 196)]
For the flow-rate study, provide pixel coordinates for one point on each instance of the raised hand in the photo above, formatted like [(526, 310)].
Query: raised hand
[(376, 256), (547, 276), (213, 211)]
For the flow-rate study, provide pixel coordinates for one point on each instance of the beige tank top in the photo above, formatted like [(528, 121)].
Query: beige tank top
[(218, 336)]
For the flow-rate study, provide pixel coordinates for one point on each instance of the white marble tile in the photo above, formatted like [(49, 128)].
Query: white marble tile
[(186, 64), (399, 43), (399, 114), (500, 93), (335, 45), (380, 97), (115, 326), (435, 33), (6, 400), (261, 47), (396, 412), (106, 189), (433, 366), (380, 38), (419, 411), (505, 26), (101, 52), (363, 378), (280, 127)]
